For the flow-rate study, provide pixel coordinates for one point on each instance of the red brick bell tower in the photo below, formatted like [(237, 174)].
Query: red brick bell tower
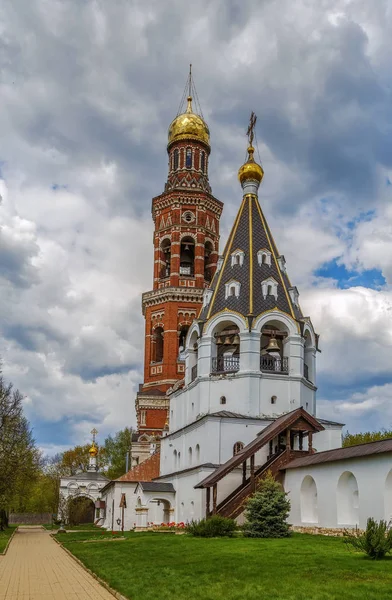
[(186, 238)]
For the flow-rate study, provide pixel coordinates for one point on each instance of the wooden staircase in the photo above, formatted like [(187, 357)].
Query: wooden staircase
[(233, 505), (288, 430)]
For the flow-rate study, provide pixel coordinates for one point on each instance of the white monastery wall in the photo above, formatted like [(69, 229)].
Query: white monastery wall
[(342, 493)]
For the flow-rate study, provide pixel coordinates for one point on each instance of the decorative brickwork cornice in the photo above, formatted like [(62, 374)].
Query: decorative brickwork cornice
[(171, 294)]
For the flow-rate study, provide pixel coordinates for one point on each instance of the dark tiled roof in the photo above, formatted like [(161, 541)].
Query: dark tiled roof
[(250, 233), (156, 486), (273, 429), (368, 449), (326, 422)]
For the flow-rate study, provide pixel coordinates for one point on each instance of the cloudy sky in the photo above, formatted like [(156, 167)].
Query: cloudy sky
[(88, 89)]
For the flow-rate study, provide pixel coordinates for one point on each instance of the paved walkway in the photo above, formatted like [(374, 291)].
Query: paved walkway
[(36, 568)]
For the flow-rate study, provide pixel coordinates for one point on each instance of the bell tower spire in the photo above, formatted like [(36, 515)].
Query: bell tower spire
[(186, 244)]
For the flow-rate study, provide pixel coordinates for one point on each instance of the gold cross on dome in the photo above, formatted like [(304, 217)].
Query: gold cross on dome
[(94, 433), (252, 124)]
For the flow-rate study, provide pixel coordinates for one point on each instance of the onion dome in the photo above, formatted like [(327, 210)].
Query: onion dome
[(251, 170), (189, 126), (93, 450)]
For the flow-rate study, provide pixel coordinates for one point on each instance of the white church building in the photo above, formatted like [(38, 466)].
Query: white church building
[(247, 404)]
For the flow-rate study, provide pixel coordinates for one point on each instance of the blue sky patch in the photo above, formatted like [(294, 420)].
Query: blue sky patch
[(371, 278)]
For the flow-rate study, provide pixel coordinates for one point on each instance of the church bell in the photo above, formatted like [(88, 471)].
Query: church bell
[(227, 341), (219, 340), (236, 340), (273, 345)]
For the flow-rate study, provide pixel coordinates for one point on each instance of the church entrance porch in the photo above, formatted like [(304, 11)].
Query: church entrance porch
[(155, 504)]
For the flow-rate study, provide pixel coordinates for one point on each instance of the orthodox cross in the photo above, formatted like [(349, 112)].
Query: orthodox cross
[(252, 124), (94, 433)]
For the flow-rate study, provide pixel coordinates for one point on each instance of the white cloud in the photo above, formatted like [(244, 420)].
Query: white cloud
[(88, 91)]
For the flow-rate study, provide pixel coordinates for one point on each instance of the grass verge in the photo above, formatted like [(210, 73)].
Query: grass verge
[(5, 536), (302, 567)]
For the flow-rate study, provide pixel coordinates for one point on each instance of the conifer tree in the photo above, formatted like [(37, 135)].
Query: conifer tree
[(267, 511)]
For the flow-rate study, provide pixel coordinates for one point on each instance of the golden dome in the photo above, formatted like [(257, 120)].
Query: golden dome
[(250, 169), (93, 450), (187, 126)]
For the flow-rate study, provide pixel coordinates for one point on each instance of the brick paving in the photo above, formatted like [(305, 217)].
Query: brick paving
[(36, 568)]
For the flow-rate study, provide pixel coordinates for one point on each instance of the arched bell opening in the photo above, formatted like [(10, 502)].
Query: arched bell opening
[(165, 257), (157, 345), (226, 348), (272, 348), (208, 260), (187, 257), (308, 499)]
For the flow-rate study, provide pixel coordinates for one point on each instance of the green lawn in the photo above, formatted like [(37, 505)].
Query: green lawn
[(5, 536), (303, 567), (82, 526)]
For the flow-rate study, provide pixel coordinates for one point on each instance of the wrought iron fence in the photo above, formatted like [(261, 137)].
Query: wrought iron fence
[(271, 363), (225, 364), (194, 373)]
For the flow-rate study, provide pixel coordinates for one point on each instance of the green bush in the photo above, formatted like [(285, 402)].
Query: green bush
[(375, 541), (215, 526), (267, 511)]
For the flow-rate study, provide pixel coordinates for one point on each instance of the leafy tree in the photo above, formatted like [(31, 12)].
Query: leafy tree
[(376, 541), (353, 439), (19, 457), (267, 511), (116, 449)]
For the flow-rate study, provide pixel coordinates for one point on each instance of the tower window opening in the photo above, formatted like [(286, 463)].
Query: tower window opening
[(181, 341), (203, 162), (237, 259), (175, 159), (188, 158), (208, 249), (269, 290), (158, 345), (223, 399), (273, 399), (165, 258), (264, 259), (187, 257), (232, 291)]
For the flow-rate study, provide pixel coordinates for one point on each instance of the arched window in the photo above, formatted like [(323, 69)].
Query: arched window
[(208, 249), (178, 460), (158, 345), (181, 341), (175, 155), (388, 497), (165, 258), (197, 453), (187, 257), (203, 162), (347, 499), (190, 456), (232, 290), (223, 399), (238, 446), (188, 158), (309, 512), (264, 257)]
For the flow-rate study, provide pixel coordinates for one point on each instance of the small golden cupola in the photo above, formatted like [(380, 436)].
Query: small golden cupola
[(189, 125), (250, 172), (93, 450)]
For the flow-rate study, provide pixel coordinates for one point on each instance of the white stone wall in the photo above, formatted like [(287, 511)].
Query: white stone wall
[(215, 437), (335, 505), (112, 497)]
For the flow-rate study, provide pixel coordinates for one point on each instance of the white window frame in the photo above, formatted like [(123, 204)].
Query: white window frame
[(294, 295), (230, 284), (234, 255), (143, 415), (267, 255), (282, 263), (274, 287)]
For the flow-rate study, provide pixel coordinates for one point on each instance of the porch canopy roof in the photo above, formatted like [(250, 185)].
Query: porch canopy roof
[(297, 418)]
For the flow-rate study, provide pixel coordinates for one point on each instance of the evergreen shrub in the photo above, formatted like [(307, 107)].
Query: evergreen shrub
[(375, 541), (267, 511), (215, 526)]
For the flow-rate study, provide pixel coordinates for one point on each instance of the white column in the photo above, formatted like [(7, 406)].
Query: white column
[(293, 348), (204, 356), (250, 351)]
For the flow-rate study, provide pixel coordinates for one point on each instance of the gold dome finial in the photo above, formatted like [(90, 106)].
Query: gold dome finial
[(251, 170), (93, 450), (188, 125)]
